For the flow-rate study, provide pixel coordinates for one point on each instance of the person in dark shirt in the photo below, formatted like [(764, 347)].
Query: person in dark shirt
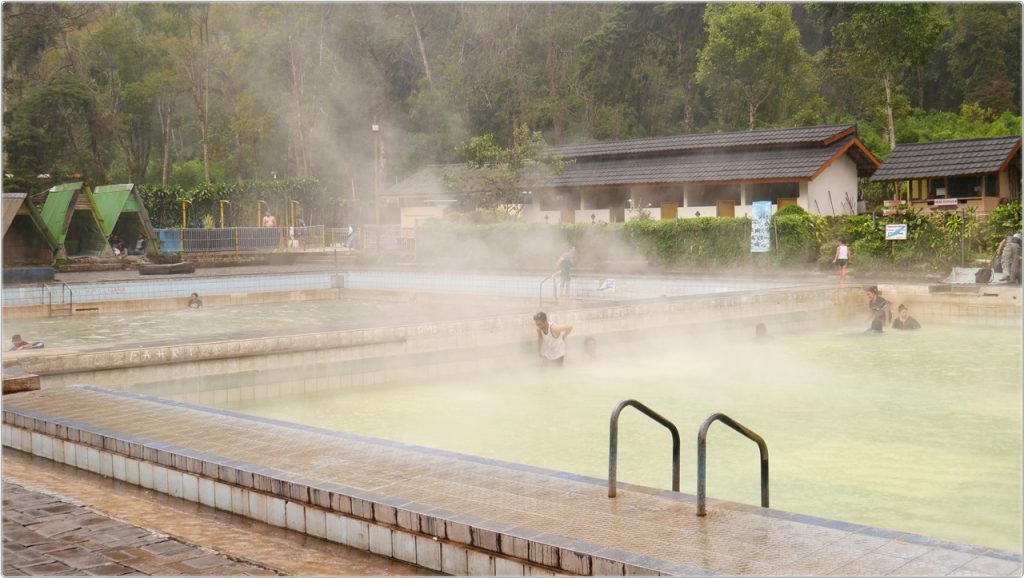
[(879, 306), (905, 321)]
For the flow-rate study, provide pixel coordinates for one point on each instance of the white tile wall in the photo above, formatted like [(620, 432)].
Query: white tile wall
[(316, 522), (380, 542), (295, 516), (207, 496), (276, 512), (257, 506)]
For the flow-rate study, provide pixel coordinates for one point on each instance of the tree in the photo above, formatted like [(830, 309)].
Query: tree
[(495, 175), (753, 54), (885, 40), (637, 71)]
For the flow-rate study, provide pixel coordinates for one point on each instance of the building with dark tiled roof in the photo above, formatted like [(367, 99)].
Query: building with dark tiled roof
[(980, 173), (717, 174)]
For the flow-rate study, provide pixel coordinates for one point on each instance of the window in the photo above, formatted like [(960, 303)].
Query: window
[(772, 192), (959, 187), (709, 195), (991, 185)]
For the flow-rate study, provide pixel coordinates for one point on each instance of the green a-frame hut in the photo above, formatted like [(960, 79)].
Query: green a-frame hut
[(122, 213), (27, 240), (70, 215)]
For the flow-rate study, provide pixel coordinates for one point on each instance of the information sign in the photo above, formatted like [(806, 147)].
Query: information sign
[(896, 232)]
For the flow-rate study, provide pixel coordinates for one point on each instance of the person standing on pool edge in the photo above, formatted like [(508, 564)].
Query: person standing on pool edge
[(842, 258), (564, 272), (550, 339)]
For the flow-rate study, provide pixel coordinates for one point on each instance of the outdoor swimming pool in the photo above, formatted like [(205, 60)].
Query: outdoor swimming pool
[(917, 432), (208, 323)]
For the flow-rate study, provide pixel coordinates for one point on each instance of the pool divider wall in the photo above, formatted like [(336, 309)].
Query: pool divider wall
[(515, 330), (439, 540)]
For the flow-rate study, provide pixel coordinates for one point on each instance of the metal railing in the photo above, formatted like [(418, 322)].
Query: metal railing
[(702, 436), (67, 298), (554, 290), (242, 239), (613, 443)]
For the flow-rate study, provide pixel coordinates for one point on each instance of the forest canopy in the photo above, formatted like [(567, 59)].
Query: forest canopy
[(184, 94)]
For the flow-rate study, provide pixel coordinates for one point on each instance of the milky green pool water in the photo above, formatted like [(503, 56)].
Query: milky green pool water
[(917, 431), (210, 322)]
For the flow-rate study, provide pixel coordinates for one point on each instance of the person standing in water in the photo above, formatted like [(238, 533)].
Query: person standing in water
[(880, 308), (905, 321), (842, 258), (550, 339)]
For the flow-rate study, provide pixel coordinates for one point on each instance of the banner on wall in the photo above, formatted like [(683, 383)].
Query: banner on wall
[(760, 227)]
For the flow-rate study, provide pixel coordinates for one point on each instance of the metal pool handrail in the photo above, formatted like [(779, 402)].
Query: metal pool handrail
[(67, 297), (554, 289), (613, 443), (702, 436)]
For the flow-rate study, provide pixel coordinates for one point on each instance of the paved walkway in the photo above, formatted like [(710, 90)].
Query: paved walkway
[(567, 511), (265, 549), (44, 535)]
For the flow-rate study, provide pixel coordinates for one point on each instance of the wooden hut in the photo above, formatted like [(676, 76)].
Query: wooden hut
[(122, 213), (980, 173), (27, 240), (70, 215)]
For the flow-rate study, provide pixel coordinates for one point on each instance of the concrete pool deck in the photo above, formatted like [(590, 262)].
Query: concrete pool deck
[(449, 512)]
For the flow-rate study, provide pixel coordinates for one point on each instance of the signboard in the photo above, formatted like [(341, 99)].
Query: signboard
[(760, 226), (945, 202), (893, 206), (896, 232)]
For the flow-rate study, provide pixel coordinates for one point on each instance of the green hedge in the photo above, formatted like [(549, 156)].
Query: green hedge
[(798, 240), (164, 206)]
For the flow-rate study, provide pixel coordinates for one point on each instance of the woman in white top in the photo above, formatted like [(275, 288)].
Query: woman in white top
[(842, 258), (550, 339)]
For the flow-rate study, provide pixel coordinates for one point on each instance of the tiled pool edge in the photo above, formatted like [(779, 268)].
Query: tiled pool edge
[(440, 336), (366, 520), (436, 539)]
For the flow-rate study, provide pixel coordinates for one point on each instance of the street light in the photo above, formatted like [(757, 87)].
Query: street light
[(222, 212), (184, 212), (376, 171), (291, 206), (259, 212)]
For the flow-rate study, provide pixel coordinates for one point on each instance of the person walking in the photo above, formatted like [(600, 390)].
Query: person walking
[(842, 258), (564, 266)]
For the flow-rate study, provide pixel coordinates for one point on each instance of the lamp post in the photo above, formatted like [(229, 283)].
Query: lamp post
[(181, 232), (184, 212), (291, 205), (222, 212), (259, 212), (376, 171)]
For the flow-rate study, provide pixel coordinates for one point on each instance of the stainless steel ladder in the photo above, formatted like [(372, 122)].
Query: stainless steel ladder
[(62, 308), (613, 442), (702, 436)]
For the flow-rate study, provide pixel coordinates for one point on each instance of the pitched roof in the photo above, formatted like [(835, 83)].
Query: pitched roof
[(811, 135), (721, 166), (947, 158), (12, 202)]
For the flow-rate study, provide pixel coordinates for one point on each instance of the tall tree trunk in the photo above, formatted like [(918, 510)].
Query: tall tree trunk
[(301, 157), (688, 99), (552, 68), (890, 122), (752, 114), (423, 51), (197, 68), (920, 87), (165, 110)]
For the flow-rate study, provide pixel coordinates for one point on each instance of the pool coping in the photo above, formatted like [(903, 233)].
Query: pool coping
[(532, 550)]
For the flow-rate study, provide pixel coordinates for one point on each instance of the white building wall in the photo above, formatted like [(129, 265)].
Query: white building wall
[(841, 179)]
